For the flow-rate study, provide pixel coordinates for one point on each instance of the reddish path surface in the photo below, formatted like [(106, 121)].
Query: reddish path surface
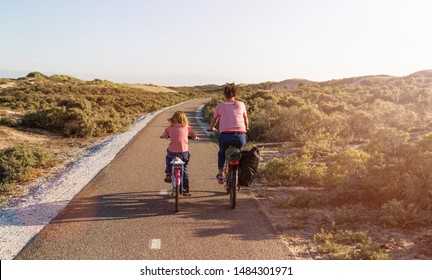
[(124, 212)]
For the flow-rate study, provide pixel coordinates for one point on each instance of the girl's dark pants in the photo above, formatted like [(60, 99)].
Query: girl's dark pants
[(184, 156)]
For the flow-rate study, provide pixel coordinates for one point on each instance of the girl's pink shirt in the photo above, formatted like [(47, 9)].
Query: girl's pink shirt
[(232, 115), (178, 135)]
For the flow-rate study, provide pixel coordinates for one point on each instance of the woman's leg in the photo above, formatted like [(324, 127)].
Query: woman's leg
[(241, 138), (221, 154)]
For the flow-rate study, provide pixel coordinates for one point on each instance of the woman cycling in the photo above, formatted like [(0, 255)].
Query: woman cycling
[(233, 124)]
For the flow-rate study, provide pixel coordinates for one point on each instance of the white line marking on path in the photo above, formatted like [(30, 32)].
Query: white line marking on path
[(163, 192), (155, 244)]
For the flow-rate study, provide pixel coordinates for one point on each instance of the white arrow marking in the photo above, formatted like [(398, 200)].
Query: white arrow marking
[(155, 244)]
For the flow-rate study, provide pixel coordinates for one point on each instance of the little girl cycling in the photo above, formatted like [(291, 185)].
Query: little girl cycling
[(178, 132)]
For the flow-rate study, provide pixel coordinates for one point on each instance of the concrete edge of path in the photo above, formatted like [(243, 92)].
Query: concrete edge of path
[(20, 223), (199, 117)]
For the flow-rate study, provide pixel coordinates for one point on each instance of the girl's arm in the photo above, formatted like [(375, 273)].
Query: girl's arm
[(192, 133), (165, 134)]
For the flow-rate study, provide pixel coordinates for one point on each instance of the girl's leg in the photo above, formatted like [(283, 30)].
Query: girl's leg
[(186, 158), (168, 166)]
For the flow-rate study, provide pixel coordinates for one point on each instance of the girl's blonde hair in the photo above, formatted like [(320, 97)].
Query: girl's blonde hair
[(179, 117)]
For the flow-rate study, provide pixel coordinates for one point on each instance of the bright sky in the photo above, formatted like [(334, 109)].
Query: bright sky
[(191, 42)]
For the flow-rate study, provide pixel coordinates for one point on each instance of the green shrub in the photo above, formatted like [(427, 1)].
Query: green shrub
[(36, 75), (62, 78), (330, 247), (369, 251), (398, 213), (342, 236), (361, 123), (4, 81), (292, 170), (78, 108), (388, 141), (348, 215), (8, 120), (18, 162), (346, 168), (303, 200), (348, 245), (77, 118)]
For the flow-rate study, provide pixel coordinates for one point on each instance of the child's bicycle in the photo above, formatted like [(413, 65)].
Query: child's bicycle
[(177, 180), (177, 173)]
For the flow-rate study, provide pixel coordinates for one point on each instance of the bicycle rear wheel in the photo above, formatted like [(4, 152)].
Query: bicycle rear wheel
[(177, 191), (233, 187)]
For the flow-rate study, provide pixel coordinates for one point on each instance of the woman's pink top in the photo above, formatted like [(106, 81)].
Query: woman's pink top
[(178, 135), (232, 115)]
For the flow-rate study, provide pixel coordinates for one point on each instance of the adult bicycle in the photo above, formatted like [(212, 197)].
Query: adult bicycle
[(231, 169)]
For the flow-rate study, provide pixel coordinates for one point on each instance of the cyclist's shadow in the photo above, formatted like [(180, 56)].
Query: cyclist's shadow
[(246, 222), (116, 206)]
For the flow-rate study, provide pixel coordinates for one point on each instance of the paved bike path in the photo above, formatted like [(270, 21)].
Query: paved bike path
[(126, 211)]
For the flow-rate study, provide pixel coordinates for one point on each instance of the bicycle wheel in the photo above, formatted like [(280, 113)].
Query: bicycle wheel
[(177, 187), (227, 183), (233, 187)]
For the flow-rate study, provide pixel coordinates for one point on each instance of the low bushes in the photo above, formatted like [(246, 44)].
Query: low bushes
[(394, 173), (348, 245), (8, 120), (78, 108), (19, 163), (4, 81), (77, 118), (297, 169)]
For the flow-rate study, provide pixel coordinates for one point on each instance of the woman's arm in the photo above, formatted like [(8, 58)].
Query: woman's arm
[(246, 122), (215, 119), (213, 124), (245, 118)]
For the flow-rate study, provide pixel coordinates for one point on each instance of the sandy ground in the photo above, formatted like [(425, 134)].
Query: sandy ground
[(61, 147), (151, 88), (10, 84)]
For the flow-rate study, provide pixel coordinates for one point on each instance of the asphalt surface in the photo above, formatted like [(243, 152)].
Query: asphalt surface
[(126, 212)]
